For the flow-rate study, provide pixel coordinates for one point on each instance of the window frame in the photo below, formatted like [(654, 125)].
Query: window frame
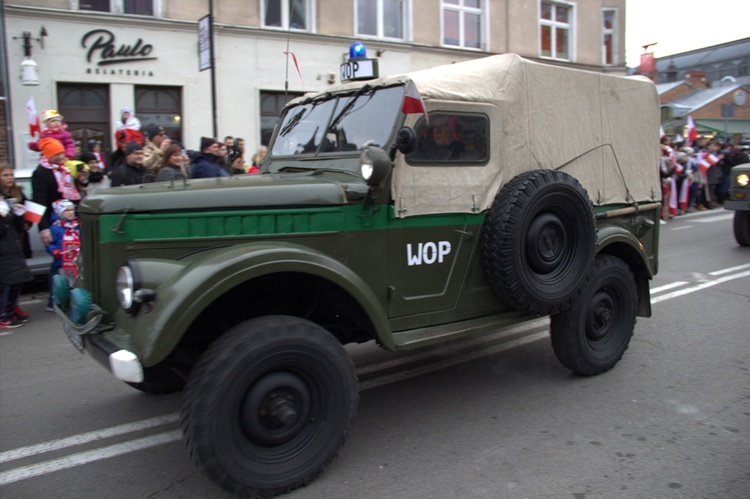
[(406, 11), (613, 32), (482, 11), (570, 26), (422, 123), (118, 7), (309, 16)]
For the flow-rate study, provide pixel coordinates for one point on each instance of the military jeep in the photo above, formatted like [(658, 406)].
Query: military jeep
[(406, 210), (738, 200)]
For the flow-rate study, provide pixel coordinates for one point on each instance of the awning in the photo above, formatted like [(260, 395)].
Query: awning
[(730, 127)]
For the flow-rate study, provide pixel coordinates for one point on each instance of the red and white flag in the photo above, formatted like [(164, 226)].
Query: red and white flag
[(32, 117), (296, 66), (708, 159), (413, 103), (692, 132), (34, 212)]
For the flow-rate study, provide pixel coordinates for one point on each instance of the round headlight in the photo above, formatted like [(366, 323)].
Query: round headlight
[(126, 284), (743, 179)]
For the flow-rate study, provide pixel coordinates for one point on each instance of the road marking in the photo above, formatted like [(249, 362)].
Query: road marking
[(698, 287), (671, 285), (730, 269), (81, 458), (90, 436), (716, 218)]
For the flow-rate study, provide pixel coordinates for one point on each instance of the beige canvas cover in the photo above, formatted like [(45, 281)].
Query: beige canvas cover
[(604, 129)]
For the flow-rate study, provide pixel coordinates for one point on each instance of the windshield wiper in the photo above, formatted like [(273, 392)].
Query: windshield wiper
[(348, 106), (293, 122)]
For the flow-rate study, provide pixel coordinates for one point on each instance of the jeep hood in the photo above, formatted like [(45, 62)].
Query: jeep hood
[(266, 190)]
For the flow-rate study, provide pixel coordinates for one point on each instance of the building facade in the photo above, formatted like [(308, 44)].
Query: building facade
[(94, 57)]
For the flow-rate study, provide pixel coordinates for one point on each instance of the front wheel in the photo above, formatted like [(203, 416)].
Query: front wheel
[(269, 405), (591, 336), (742, 227)]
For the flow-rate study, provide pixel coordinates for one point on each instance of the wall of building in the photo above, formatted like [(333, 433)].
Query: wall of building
[(250, 59)]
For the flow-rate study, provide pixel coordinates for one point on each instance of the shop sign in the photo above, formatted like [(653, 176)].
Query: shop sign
[(104, 50)]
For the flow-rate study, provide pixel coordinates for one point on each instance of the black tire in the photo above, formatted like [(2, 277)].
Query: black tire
[(269, 405), (539, 241), (742, 227), (591, 337)]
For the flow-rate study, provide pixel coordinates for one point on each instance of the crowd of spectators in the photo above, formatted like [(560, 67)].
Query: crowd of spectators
[(695, 177)]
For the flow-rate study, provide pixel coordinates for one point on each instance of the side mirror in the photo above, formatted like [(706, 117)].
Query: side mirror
[(374, 165), (406, 141)]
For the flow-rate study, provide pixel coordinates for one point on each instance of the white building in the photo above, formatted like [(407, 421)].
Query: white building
[(96, 56)]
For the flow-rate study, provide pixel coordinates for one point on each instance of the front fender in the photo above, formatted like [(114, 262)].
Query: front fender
[(193, 285)]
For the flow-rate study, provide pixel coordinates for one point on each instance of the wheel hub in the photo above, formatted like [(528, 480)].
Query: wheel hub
[(275, 408), (545, 243), (601, 316)]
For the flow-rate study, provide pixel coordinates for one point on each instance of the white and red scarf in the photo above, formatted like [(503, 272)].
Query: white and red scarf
[(66, 186)]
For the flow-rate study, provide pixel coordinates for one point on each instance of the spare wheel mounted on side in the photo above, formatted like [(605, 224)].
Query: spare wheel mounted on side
[(539, 241)]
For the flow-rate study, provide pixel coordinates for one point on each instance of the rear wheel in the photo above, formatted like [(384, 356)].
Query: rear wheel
[(742, 227), (591, 337), (269, 405)]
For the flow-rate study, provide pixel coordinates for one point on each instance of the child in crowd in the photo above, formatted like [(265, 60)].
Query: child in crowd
[(128, 121), (54, 128), (66, 241)]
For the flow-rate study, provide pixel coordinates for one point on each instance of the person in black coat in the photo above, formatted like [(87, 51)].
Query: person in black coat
[(132, 171), (13, 269)]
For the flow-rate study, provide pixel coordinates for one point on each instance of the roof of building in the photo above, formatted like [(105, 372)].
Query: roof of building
[(738, 49), (663, 88), (699, 98)]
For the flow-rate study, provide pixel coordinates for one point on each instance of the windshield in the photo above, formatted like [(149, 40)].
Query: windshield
[(339, 123)]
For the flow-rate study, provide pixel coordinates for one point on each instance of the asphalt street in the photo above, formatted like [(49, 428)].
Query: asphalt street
[(495, 416)]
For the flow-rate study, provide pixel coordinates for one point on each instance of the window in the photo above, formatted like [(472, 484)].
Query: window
[(135, 7), (286, 14), (453, 138), (271, 105), (161, 106), (381, 18), (556, 30), (609, 37), (462, 23)]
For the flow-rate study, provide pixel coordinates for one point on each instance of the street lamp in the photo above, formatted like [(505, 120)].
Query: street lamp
[(29, 67)]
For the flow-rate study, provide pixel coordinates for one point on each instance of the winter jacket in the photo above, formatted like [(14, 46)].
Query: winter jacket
[(207, 166), (63, 135)]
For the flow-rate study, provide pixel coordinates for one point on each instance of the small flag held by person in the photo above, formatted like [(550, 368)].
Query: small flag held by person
[(34, 212)]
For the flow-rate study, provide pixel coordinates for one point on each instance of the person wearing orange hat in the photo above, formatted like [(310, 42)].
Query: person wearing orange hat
[(51, 181), (55, 128)]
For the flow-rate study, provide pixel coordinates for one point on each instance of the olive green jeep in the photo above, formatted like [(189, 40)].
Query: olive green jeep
[(406, 210), (738, 199)]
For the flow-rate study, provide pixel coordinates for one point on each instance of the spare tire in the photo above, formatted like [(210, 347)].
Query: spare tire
[(538, 241)]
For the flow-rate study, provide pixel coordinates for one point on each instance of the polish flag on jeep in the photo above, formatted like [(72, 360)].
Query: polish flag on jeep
[(413, 103)]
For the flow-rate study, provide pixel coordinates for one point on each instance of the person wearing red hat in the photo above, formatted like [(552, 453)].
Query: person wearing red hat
[(55, 128)]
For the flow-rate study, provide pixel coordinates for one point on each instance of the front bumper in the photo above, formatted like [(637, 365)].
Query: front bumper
[(737, 205), (123, 365)]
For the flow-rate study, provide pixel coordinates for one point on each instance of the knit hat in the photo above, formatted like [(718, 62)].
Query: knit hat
[(61, 205), (151, 131), (132, 147), (87, 156), (49, 147), (51, 114), (207, 142), (125, 109)]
